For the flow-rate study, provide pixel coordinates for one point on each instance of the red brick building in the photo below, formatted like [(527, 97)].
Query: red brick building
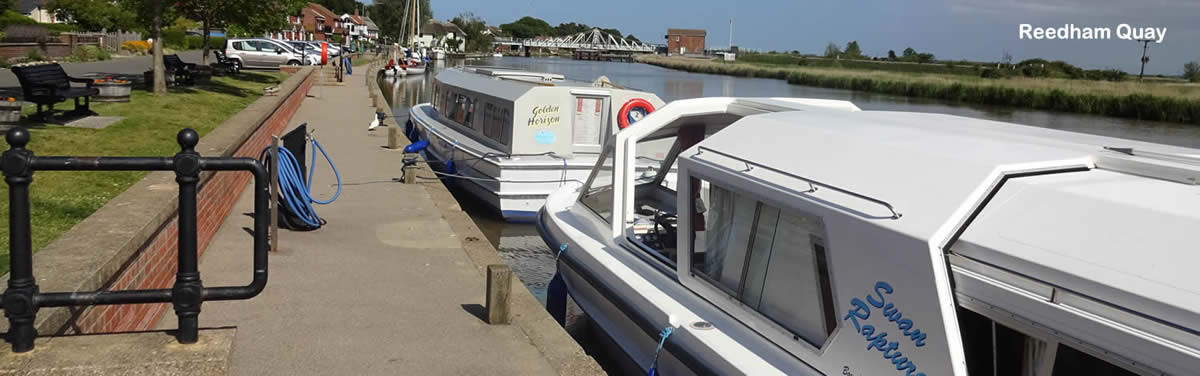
[(685, 41), (315, 22)]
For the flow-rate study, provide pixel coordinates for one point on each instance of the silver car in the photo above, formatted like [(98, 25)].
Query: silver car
[(263, 53)]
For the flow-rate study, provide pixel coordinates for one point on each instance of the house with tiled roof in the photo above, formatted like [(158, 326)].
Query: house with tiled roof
[(442, 34), (314, 22), (372, 29)]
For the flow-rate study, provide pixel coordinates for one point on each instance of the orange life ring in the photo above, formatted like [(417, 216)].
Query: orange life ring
[(633, 110)]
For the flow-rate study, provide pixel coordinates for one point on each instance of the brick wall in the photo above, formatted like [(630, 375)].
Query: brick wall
[(153, 267), (50, 50), (693, 44)]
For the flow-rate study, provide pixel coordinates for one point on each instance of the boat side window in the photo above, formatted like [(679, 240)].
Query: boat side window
[(469, 110), (506, 120), (454, 104), (772, 260), (994, 349), (598, 192)]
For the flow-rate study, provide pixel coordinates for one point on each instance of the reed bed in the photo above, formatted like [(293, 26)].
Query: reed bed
[(1178, 103)]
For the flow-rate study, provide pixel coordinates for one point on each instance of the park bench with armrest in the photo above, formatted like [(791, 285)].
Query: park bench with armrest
[(47, 84), (183, 71)]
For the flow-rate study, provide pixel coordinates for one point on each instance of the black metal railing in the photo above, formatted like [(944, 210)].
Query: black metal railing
[(22, 299)]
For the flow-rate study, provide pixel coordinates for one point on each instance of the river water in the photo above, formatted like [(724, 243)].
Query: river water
[(519, 244)]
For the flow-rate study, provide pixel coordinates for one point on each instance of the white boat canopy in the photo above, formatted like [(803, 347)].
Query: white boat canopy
[(1088, 239)]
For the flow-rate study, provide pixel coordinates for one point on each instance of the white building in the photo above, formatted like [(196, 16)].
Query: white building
[(442, 34), (37, 10)]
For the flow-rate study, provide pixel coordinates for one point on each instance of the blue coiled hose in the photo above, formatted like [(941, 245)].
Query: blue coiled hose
[(297, 195)]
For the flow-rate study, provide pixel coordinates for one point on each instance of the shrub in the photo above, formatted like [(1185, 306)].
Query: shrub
[(13, 18), (34, 54), (1191, 71), (175, 38), (137, 47)]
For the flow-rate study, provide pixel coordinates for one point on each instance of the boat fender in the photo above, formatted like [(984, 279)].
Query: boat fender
[(450, 169), (633, 110), (416, 146)]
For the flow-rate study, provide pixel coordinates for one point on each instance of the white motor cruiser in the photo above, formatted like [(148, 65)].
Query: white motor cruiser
[(806, 237), (510, 137)]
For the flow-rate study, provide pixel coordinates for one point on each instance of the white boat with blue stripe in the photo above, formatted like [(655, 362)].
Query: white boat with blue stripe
[(510, 137)]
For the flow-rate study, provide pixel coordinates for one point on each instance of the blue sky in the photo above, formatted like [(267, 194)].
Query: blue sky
[(951, 29)]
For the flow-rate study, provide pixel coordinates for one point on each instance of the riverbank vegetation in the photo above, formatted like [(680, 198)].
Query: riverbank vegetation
[(60, 200), (1171, 102)]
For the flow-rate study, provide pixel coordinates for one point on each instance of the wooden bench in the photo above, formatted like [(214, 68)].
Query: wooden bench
[(47, 84), (182, 71)]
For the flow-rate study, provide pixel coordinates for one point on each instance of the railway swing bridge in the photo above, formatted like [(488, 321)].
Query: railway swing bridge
[(588, 45)]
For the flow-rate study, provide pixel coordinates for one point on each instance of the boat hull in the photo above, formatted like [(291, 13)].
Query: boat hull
[(515, 190)]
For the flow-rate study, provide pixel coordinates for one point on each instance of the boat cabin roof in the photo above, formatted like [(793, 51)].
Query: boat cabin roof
[(1112, 226)]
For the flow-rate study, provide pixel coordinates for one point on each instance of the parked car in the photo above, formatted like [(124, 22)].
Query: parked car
[(265, 53), (305, 48), (334, 50)]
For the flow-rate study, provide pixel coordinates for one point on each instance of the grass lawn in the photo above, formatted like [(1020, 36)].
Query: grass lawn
[(62, 199)]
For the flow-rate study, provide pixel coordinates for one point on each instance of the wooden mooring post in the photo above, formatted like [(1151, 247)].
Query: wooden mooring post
[(499, 285)]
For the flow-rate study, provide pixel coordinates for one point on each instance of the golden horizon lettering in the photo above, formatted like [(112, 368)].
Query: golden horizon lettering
[(544, 116)]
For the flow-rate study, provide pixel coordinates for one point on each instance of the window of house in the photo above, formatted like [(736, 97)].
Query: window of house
[(676, 38), (772, 260)]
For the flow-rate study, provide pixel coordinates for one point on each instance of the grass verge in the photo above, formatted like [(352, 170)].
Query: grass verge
[(1178, 103), (62, 199)]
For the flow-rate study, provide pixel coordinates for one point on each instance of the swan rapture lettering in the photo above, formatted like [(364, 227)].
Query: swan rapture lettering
[(877, 339)]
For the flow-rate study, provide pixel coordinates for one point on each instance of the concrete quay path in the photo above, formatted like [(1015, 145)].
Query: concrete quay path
[(392, 285)]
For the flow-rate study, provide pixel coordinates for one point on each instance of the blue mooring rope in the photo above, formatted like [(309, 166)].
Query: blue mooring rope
[(297, 194), (662, 339)]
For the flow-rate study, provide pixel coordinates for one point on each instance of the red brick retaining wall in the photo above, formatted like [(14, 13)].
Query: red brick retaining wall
[(153, 267)]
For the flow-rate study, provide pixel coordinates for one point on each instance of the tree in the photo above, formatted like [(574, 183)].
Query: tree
[(570, 28), (1191, 71), (832, 50), (909, 52), (340, 6), (389, 15), (527, 27), (852, 50), (1006, 57), (632, 39), (153, 13), (93, 15), (614, 32), (892, 55), (249, 17), (473, 27)]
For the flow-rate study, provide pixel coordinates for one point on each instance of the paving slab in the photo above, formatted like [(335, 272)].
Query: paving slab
[(384, 288), (145, 353), (94, 122)]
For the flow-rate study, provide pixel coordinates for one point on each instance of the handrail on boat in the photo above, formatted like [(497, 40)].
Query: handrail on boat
[(895, 214)]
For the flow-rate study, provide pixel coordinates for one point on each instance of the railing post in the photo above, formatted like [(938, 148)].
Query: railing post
[(188, 292), (19, 304)]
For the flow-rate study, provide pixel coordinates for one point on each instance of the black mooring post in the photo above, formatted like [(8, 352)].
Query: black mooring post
[(188, 292), (19, 304)]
